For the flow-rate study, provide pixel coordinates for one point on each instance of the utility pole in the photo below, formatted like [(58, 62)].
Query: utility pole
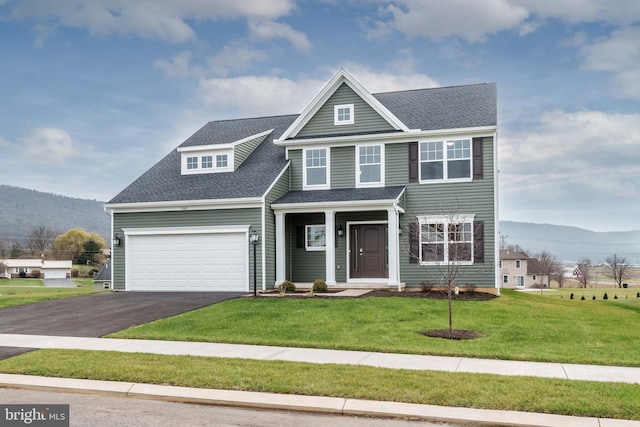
[(502, 241)]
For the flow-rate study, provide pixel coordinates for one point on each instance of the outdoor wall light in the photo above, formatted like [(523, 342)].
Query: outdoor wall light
[(116, 241), (254, 236), (340, 231)]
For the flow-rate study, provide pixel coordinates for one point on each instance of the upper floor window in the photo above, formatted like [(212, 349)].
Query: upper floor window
[(192, 162), (445, 241), (343, 114), (221, 161), (517, 263), (207, 162), (369, 165), (316, 168), (445, 160)]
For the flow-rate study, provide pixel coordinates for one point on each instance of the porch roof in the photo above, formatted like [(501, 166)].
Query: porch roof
[(346, 198)]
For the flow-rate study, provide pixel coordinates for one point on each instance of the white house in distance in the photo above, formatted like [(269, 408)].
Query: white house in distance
[(519, 271), (49, 269)]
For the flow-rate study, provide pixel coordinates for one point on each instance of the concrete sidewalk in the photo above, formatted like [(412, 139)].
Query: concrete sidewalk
[(312, 355), (467, 416)]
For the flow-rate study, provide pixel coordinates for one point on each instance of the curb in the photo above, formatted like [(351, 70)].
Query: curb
[(329, 405)]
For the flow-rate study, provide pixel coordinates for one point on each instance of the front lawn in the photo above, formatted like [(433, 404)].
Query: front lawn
[(557, 396), (516, 326), (27, 291)]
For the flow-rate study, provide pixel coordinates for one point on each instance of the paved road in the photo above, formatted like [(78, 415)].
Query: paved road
[(103, 411), (100, 314)]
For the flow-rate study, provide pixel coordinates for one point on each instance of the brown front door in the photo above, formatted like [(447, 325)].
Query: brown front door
[(368, 251)]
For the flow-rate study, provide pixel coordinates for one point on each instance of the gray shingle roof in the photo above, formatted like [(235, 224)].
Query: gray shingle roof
[(164, 182), (426, 109), (341, 195), (444, 107)]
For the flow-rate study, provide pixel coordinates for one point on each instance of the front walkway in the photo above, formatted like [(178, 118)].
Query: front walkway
[(312, 355)]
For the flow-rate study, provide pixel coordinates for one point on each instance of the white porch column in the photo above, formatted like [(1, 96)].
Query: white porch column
[(330, 250), (394, 247), (281, 254)]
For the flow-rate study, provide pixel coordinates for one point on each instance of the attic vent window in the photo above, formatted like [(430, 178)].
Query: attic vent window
[(343, 114)]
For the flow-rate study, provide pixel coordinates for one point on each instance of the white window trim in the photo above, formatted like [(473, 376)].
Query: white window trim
[(327, 184), (505, 279), (382, 166), (337, 121), (202, 166), (524, 283), (446, 220), (518, 263), (199, 155), (445, 160), (306, 240)]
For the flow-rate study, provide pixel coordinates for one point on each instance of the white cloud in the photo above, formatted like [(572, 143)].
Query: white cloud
[(266, 30), (619, 12), (257, 95), (178, 66), (469, 19), (159, 19), (4, 142), (619, 54), (50, 145), (398, 79), (235, 57)]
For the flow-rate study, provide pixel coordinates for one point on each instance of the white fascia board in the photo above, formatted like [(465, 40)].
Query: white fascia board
[(222, 146), (341, 76), (186, 205), (350, 205), (389, 138)]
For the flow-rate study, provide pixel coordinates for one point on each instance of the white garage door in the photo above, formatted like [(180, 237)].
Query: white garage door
[(188, 262), (55, 273)]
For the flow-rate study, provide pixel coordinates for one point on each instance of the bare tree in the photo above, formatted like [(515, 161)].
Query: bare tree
[(558, 276), (619, 270), (444, 246), (583, 272), (40, 240), (5, 249), (548, 264)]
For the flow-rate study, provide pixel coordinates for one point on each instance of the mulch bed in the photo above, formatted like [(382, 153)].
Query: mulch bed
[(462, 296), (458, 334)]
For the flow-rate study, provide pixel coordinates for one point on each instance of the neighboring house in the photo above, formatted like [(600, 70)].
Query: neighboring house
[(519, 271), (48, 269), (102, 279), (360, 189)]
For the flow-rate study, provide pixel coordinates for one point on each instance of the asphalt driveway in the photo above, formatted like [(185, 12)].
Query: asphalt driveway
[(97, 315)]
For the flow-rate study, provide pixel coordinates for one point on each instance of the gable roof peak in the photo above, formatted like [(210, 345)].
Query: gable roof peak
[(341, 76)]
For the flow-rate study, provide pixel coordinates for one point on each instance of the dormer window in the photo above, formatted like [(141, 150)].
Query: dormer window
[(221, 161), (343, 114), (192, 163), (207, 162)]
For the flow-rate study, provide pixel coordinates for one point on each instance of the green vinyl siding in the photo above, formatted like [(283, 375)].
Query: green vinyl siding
[(343, 167), (366, 118), (302, 265), (280, 188), (296, 170), (474, 197), (244, 150), (193, 218)]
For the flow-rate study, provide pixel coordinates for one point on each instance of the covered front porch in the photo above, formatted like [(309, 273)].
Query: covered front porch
[(348, 237)]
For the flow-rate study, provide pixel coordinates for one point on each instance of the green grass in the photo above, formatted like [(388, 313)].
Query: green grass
[(516, 326), (577, 398), (26, 291)]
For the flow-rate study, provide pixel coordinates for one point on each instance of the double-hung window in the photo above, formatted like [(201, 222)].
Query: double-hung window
[(370, 165), (316, 169), (445, 160), (315, 237), (446, 240)]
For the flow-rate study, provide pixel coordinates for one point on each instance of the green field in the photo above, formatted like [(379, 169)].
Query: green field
[(26, 291)]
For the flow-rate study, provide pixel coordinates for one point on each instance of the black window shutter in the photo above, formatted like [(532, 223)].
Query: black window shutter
[(414, 162), (300, 237), (478, 240), (414, 242), (477, 158)]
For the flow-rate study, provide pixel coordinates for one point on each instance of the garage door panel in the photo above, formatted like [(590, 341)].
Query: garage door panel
[(188, 262)]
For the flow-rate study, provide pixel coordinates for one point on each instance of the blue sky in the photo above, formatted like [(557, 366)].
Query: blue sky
[(92, 93)]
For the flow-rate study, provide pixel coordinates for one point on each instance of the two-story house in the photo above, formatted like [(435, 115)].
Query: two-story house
[(359, 189), (519, 271)]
